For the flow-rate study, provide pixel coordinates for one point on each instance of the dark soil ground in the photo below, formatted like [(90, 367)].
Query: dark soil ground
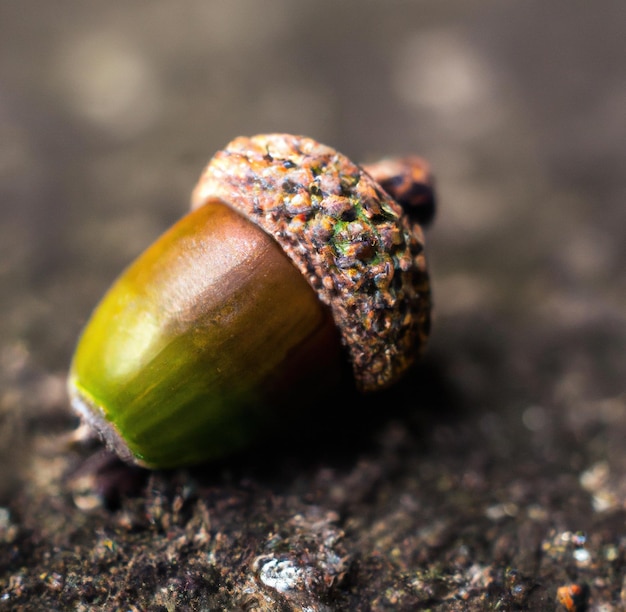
[(494, 476)]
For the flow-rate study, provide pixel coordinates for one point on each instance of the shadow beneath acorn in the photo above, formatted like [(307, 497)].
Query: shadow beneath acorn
[(339, 429), (306, 433)]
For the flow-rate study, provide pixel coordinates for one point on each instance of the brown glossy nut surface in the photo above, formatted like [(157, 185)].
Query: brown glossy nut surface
[(352, 242)]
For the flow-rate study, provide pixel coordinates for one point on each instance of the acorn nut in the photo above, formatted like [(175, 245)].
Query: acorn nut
[(291, 258)]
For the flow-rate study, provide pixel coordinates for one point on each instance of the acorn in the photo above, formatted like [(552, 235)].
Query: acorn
[(292, 262)]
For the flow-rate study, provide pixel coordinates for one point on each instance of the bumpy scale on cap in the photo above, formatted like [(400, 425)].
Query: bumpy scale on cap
[(351, 241)]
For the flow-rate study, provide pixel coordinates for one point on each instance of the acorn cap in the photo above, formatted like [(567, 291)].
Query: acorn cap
[(350, 239)]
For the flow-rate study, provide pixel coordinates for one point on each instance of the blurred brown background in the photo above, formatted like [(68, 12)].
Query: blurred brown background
[(109, 110)]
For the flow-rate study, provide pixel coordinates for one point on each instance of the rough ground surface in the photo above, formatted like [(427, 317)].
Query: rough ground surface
[(495, 474)]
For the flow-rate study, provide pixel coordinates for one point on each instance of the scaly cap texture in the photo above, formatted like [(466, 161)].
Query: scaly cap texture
[(351, 241)]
